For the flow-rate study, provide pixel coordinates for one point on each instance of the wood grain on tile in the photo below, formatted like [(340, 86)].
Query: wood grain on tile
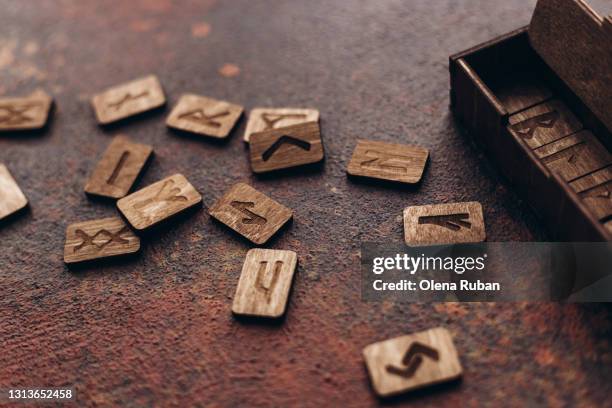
[(410, 362), (125, 100), (286, 147), (118, 168), (11, 197), (159, 201), (204, 116), (595, 190), (444, 224), (522, 92), (25, 113), (261, 119), (97, 239), (265, 283), (388, 161), (250, 213)]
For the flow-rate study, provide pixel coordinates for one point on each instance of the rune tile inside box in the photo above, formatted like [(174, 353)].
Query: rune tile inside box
[(159, 201), (265, 283), (118, 168), (286, 147), (444, 224), (25, 113), (388, 161), (250, 213), (128, 99), (204, 116), (261, 119), (11, 197), (98, 239), (410, 362)]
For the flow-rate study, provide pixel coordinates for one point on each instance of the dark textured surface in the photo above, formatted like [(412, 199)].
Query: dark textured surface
[(158, 330)]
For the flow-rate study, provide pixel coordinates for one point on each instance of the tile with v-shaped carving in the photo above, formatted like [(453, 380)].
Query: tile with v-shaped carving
[(250, 213), (25, 113), (265, 282), (261, 119), (286, 147), (204, 116)]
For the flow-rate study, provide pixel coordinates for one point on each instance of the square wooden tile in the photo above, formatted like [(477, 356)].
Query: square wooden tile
[(410, 362), (11, 197), (265, 282), (118, 168), (286, 147), (26, 113), (444, 224), (158, 201), (261, 119), (250, 213), (388, 161), (204, 116), (128, 99), (99, 239)]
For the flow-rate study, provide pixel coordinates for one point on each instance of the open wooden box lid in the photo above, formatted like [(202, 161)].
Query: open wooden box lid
[(577, 44)]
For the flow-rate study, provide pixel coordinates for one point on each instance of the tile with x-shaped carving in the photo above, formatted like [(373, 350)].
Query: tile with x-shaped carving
[(25, 113), (204, 116)]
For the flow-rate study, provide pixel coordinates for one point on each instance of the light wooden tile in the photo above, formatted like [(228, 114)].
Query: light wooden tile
[(158, 201), (286, 147), (250, 213), (595, 189), (388, 161), (11, 197), (444, 224), (265, 282), (26, 113), (131, 98), (204, 116), (97, 239), (261, 119), (414, 361), (544, 123), (118, 168)]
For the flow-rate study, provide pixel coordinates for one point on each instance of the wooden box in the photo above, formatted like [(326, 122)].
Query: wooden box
[(537, 100)]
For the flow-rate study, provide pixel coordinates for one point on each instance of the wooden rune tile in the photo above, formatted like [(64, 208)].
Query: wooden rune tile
[(11, 197), (544, 123), (118, 168), (250, 213), (261, 119), (388, 161), (265, 282), (410, 362), (131, 98), (26, 113), (444, 224), (97, 239), (158, 201), (286, 147), (204, 116)]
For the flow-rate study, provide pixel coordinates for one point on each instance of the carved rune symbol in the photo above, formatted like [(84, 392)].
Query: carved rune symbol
[(166, 193), (526, 129), (281, 141), (392, 163), (127, 98), (413, 359), (200, 117), (251, 217), (100, 239), (271, 119), (16, 115), (452, 222), (113, 177), (606, 195), (268, 288)]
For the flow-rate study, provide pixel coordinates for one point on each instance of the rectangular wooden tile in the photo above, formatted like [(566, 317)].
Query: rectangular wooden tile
[(544, 123), (25, 113), (158, 201), (574, 156), (204, 116), (118, 168), (250, 213), (265, 282), (11, 197), (388, 161), (128, 99), (595, 189), (444, 224), (286, 147), (410, 362), (98, 239), (261, 119)]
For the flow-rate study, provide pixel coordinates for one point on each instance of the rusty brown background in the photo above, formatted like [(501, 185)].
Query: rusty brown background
[(157, 330)]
